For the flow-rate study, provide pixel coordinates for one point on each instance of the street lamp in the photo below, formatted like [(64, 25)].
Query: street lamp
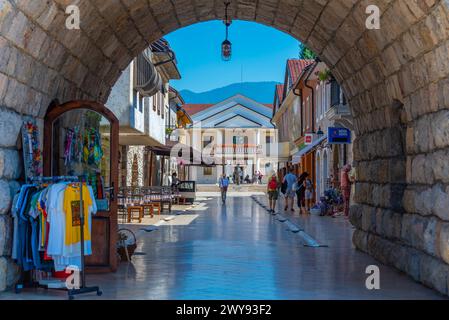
[(226, 46)]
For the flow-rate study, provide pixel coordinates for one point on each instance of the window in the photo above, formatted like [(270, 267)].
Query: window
[(135, 99), (154, 98), (207, 171), (207, 140), (307, 113), (269, 139), (140, 102), (323, 99), (318, 102)]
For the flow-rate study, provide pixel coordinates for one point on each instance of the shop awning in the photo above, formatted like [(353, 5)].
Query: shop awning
[(297, 156), (184, 154)]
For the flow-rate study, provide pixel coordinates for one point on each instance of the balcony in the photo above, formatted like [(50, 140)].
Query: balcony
[(220, 150), (336, 112), (148, 81), (339, 111)]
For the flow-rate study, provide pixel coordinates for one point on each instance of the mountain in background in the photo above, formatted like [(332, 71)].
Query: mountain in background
[(262, 92)]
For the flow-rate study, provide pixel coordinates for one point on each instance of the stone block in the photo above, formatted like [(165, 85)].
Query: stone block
[(6, 234), (10, 125), (443, 242), (10, 164), (3, 273), (5, 197), (434, 273), (440, 128)]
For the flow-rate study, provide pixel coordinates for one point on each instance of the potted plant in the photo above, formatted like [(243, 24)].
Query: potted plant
[(325, 75), (169, 131)]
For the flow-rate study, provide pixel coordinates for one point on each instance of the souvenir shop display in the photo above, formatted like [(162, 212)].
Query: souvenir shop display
[(32, 154), (81, 139), (53, 231)]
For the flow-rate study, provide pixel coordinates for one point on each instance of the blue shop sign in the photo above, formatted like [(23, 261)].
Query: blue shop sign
[(338, 136)]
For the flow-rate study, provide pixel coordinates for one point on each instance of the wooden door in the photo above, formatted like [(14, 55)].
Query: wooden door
[(58, 119)]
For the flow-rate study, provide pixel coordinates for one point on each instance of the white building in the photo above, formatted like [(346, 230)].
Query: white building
[(237, 134), (140, 100)]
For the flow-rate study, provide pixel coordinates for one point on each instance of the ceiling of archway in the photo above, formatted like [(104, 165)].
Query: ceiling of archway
[(87, 62)]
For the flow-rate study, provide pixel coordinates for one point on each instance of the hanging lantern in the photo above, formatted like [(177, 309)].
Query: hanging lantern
[(226, 45), (226, 50)]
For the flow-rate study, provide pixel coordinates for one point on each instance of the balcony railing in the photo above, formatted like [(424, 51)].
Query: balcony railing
[(148, 80), (236, 149)]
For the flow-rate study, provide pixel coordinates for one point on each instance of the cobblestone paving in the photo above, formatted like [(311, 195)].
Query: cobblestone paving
[(238, 251)]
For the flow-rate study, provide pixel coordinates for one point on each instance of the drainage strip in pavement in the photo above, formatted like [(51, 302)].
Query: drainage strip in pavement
[(309, 241)]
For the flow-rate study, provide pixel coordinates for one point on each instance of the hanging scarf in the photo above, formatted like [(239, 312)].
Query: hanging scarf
[(68, 147)]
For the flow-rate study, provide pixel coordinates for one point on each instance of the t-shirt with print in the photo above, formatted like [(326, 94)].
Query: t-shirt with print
[(72, 210)]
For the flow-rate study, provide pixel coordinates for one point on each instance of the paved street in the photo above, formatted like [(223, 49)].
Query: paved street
[(239, 251)]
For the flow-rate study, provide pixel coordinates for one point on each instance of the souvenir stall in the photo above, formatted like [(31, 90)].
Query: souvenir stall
[(65, 214), (81, 139)]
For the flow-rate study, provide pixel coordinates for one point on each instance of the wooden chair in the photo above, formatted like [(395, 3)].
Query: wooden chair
[(121, 207), (166, 198), (135, 209), (134, 201), (148, 207)]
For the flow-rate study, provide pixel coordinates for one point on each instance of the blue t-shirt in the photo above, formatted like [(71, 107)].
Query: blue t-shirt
[(291, 180)]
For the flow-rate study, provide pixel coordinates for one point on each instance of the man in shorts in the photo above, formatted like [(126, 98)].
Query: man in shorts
[(273, 192), (291, 181)]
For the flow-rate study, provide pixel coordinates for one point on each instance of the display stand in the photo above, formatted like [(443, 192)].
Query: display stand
[(83, 287)]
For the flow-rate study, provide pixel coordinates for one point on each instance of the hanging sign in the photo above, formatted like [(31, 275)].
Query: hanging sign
[(308, 139), (338, 136)]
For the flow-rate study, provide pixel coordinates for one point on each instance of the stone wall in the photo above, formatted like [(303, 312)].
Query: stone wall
[(396, 80)]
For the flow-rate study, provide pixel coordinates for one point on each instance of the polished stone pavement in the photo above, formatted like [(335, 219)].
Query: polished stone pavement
[(238, 251)]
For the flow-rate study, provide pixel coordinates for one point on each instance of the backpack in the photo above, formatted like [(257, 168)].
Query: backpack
[(273, 185)]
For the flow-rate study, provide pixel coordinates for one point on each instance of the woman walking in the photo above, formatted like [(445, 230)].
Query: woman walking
[(308, 186), (301, 192)]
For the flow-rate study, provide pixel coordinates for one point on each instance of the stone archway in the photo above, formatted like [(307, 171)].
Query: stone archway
[(396, 80)]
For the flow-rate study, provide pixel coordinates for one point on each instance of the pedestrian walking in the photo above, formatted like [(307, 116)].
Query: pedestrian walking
[(290, 181), (260, 178), (308, 185), (273, 192), (301, 192), (223, 183), (345, 185)]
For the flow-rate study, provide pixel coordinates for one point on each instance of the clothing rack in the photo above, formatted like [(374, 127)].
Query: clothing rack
[(83, 287)]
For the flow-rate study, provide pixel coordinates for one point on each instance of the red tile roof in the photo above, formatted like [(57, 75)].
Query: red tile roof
[(269, 105), (280, 92), (296, 67), (192, 108)]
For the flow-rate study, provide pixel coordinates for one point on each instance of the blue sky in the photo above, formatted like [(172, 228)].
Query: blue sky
[(258, 50)]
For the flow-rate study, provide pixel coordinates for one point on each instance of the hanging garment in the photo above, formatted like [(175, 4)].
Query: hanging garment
[(72, 207)]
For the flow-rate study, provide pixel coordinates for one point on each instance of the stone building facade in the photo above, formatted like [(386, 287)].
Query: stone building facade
[(395, 79)]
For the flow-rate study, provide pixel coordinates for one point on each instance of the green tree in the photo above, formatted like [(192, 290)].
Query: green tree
[(305, 52)]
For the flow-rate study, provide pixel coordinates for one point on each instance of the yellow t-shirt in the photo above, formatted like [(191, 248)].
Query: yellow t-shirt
[(72, 214)]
